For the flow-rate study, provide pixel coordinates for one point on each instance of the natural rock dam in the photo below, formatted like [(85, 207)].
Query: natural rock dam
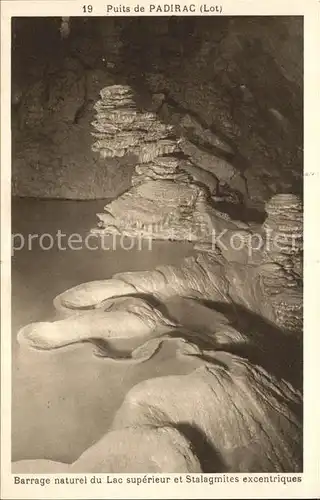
[(158, 245)]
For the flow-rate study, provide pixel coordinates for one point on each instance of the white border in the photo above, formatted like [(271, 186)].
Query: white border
[(310, 485)]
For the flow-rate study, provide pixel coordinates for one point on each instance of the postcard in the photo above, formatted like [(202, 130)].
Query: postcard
[(159, 249)]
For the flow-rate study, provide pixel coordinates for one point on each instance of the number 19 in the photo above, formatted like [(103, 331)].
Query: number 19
[(87, 9)]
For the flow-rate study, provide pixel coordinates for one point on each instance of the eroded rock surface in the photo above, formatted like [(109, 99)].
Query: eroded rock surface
[(172, 191), (216, 88), (225, 311), (225, 78), (233, 309), (55, 85), (142, 449)]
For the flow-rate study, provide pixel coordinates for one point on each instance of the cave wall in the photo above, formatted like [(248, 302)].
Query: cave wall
[(243, 78), (54, 86), (238, 77)]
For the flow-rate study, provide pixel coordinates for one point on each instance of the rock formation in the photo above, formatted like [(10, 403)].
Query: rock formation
[(208, 421), (233, 310), (216, 87), (55, 85), (172, 193), (226, 79), (224, 309), (236, 315)]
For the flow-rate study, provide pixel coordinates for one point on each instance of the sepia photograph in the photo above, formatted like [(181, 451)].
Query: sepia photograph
[(157, 246)]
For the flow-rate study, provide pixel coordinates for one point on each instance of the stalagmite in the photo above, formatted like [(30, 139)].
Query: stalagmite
[(233, 310), (170, 195)]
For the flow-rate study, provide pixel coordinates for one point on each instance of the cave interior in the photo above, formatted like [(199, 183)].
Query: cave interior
[(228, 93)]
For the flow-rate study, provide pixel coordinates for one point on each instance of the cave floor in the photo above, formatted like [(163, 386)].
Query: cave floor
[(64, 400)]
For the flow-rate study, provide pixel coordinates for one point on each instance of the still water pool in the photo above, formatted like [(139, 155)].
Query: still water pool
[(63, 401)]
